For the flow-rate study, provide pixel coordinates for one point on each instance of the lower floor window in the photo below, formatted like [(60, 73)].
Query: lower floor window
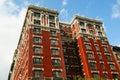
[(95, 74), (57, 73), (37, 73)]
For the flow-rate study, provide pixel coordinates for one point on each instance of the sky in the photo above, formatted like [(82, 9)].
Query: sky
[(12, 15)]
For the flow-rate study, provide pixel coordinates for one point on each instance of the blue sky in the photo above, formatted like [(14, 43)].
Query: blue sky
[(12, 14)]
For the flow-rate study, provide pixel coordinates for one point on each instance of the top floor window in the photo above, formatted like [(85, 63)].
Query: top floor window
[(85, 38), (81, 24), (52, 24), (97, 27), (37, 30), (37, 22), (83, 30), (88, 47), (51, 17), (36, 14)]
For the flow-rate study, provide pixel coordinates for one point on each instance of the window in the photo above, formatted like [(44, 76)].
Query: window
[(91, 31), (36, 14), (56, 62), (55, 52), (53, 33), (97, 27), (37, 30), (112, 67), (54, 42), (64, 50), (105, 75), (102, 65), (37, 22), (115, 76), (83, 30), (37, 50), (85, 38), (66, 60), (108, 57), (88, 47), (100, 33), (117, 56), (105, 48), (37, 40), (52, 24), (97, 48), (103, 40), (63, 42), (37, 61), (99, 56), (90, 55), (95, 74), (67, 69), (57, 73), (51, 17), (37, 73), (81, 24), (92, 65)]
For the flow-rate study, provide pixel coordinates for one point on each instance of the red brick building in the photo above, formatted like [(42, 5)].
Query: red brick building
[(53, 50), (39, 51), (96, 54)]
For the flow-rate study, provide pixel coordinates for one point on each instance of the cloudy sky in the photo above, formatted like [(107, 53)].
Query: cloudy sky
[(12, 14)]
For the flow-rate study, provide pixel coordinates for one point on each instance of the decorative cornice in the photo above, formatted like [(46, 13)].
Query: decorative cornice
[(42, 9)]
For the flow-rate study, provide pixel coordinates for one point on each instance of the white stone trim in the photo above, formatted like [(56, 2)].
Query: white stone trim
[(56, 58), (37, 46), (57, 70), (37, 56), (38, 68)]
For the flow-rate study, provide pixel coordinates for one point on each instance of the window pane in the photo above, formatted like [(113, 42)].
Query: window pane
[(55, 52), (56, 62), (52, 24), (95, 74), (36, 14), (37, 40), (90, 55), (53, 33), (88, 46), (54, 42), (37, 61), (37, 73), (37, 30), (93, 65), (37, 22), (37, 50), (108, 57), (51, 17), (112, 67), (57, 73), (83, 30)]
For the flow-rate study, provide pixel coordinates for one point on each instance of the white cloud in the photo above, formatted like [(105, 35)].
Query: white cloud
[(116, 10), (64, 2), (118, 45), (11, 18), (64, 15)]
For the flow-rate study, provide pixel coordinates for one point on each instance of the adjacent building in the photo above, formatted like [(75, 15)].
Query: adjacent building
[(52, 50), (116, 52)]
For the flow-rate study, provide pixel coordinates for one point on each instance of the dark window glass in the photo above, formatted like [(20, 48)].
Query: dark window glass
[(36, 14), (37, 22)]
